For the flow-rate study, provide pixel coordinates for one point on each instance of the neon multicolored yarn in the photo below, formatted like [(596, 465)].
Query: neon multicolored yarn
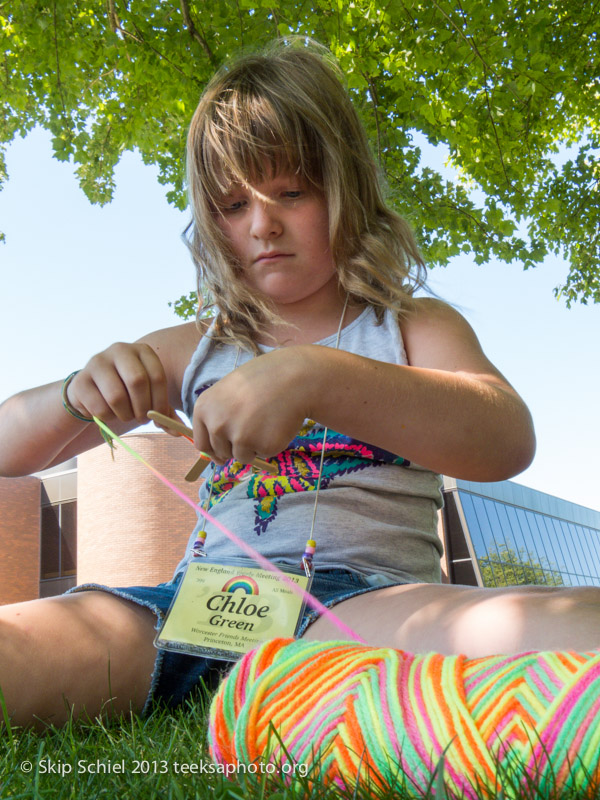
[(365, 710)]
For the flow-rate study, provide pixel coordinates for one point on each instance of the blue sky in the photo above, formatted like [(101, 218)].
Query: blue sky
[(76, 277)]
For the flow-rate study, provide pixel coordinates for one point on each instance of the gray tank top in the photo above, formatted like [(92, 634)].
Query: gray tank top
[(377, 513)]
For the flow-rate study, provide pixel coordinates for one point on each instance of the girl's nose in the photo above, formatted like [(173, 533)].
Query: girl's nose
[(265, 222)]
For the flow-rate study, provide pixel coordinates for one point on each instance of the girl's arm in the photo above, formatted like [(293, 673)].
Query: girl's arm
[(118, 385), (450, 410)]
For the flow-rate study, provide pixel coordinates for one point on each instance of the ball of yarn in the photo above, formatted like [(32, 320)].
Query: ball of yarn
[(362, 711)]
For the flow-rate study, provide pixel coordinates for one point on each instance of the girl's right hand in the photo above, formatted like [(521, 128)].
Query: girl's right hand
[(121, 383), (119, 386)]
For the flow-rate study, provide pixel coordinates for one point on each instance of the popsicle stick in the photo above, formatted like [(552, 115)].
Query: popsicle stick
[(168, 422), (197, 469)]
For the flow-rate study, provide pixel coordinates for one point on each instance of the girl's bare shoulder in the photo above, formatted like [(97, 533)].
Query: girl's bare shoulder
[(187, 335), (437, 336), (175, 347)]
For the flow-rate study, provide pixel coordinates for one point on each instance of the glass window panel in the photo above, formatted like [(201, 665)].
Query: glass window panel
[(473, 525), (539, 562), (501, 559), (588, 557), (519, 523), (522, 541), (538, 553), (68, 538), (578, 546), (573, 545), (593, 544), (50, 546), (533, 554), (558, 578), (555, 564), (596, 548), (566, 550), (517, 543), (559, 548), (594, 571), (482, 522), (553, 554), (513, 530), (513, 538), (567, 578)]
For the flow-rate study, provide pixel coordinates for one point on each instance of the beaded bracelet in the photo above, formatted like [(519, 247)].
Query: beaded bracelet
[(65, 400), (74, 413)]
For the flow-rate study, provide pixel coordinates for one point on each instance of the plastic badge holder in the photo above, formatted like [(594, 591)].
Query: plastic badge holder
[(225, 609)]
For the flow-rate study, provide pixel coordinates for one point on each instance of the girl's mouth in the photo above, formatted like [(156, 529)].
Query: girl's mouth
[(271, 256)]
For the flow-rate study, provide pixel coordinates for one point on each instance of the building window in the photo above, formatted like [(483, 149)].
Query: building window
[(59, 541), (515, 546)]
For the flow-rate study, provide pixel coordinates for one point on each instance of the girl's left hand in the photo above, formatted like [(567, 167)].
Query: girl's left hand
[(256, 410)]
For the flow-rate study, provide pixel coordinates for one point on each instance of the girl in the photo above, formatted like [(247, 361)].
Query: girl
[(317, 346)]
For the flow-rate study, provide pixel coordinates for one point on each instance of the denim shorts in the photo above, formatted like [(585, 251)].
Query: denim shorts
[(177, 676)]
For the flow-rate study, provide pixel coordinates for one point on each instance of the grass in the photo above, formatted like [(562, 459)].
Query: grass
[(164, 756)]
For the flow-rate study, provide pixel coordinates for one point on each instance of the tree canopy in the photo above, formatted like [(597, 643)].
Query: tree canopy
[(504, 85)]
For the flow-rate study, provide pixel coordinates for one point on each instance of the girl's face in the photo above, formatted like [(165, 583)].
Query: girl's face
[(279, 231)]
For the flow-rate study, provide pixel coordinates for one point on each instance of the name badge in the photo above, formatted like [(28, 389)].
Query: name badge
[(223, 610)]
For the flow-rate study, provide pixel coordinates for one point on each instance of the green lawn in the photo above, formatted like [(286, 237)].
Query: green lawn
[(164, 756)]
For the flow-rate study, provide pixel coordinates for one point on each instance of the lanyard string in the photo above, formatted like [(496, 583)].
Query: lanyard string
[(311, 543), (198, 550)]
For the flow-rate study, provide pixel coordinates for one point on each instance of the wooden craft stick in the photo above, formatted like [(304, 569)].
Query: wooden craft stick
[(264, 466), (168, 422), (197, 469)]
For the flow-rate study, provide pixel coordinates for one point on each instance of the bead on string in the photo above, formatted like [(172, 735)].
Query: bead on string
[(198, 550), (307, 557)]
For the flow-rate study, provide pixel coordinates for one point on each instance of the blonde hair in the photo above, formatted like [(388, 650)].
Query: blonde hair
[(286, 110)]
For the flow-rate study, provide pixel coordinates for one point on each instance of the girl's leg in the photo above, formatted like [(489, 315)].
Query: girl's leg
[(477, 622), (89, 652)]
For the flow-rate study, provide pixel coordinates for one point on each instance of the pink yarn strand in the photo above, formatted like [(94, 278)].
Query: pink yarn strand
[(248, 549)]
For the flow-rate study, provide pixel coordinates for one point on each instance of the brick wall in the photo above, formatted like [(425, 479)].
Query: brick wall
[(131, 529), (19, 539)]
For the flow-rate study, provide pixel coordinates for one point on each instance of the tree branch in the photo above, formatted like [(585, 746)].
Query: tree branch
[(373, 95), (465, 38), (115, 23), (239, 10), (139, 39), (496, 137), (193, 31), (58, 79), (113, 19), (273, 13), (448, 204), (469, 40)]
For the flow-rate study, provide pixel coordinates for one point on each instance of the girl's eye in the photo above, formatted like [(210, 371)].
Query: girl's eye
[(231, 206), (293, 194)]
